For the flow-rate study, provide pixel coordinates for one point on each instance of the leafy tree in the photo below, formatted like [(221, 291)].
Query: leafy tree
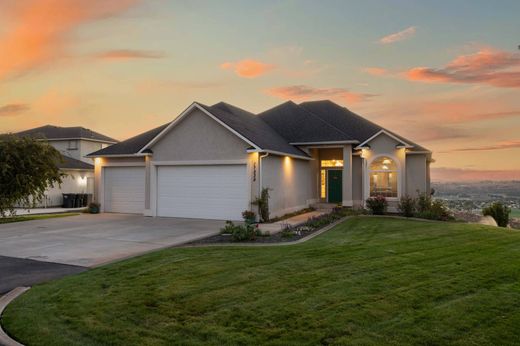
[(27, 168), (499, 212)]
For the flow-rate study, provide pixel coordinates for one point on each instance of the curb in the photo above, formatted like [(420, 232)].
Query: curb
[(4, 301)]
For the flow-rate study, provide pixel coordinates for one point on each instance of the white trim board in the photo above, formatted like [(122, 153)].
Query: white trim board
[(363, 145), (199, 163)]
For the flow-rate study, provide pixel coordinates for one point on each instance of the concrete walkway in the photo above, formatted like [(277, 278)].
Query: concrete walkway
[(278, 226)]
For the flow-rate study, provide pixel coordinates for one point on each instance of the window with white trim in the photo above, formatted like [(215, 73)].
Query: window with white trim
[(383, 174), (73, 145)]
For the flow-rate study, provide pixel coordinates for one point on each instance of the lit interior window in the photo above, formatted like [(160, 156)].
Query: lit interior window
[(383, 177), (331, 163), (323, 184)]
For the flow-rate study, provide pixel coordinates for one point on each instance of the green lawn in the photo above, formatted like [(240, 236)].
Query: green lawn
[(369, 281), (21, 218)]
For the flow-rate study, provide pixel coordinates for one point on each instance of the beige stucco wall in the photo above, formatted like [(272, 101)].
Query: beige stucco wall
[(357, 181), (84, 148), (416, 174), (88, 147), (291, 181), (198, 137)]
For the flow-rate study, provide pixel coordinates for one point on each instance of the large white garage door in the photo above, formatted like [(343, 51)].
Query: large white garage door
[(217, 192), (124, 189)]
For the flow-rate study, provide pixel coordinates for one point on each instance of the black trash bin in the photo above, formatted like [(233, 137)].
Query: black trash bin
[(84, 199), (77, 200), (67, 200)]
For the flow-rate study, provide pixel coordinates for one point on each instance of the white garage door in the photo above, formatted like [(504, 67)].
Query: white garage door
[(217, 192), (124, 189)]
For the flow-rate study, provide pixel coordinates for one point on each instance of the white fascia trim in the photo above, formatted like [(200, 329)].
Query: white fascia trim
[(279, 153), (118, 155), (77, 169), (199, 163), (386, 133), (77, 138), (182, 115), (326, 142)]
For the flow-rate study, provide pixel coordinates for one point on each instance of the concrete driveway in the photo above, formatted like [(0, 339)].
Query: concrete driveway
[(90, 240)]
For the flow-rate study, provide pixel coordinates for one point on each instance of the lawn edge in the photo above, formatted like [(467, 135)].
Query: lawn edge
[(5, 300)]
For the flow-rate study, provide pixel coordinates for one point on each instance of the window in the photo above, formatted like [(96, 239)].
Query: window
[(383, 177), (323, 184), (331, 163), (73, 145)]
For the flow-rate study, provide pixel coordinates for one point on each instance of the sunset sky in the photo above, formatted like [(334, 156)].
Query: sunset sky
[(445, 74)]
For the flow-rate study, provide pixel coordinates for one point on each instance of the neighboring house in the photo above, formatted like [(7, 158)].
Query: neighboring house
[(211, 162), (74, 143)]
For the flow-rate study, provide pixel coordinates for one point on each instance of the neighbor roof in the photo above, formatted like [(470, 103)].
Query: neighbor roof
[(71, 163), (280, 129), (57, 132)]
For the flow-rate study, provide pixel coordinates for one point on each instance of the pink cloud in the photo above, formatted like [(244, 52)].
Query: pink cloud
[(487, 66), (375, 71), (512, 144), (13, 109), (248, 68), (128, 54), (460, 174), (38, 31), (304, 92), (399, 36)]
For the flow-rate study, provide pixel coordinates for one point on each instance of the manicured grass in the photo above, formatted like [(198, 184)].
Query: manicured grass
[(21, 218), (369, 281)]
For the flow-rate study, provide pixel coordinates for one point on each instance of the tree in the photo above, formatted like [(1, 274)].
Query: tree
[(27, 168)]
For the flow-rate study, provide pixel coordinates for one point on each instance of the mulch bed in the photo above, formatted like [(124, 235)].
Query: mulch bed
[(274, 238)]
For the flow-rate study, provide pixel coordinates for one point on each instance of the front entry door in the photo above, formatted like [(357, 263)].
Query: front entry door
[(334, 177)]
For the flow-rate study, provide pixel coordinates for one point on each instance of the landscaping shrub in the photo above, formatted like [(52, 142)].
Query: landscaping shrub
[(249, 216), (263, 204), (407, 206), (437, 210), (377, 205), (94, 207), (240, 232), (424, 202), (499, 212)]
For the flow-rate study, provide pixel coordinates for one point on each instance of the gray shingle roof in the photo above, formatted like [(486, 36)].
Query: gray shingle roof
[(57, 132), (71, 163), (253, 128), (348, 122), (298, 125), (131, 145)]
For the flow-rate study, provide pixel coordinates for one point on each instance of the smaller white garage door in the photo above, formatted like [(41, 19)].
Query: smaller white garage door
[(217, 192), (124, 189)]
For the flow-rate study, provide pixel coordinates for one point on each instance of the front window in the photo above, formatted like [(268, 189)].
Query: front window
[(383, 177)]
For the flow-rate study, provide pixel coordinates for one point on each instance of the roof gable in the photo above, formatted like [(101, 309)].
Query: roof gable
[(401, 143)]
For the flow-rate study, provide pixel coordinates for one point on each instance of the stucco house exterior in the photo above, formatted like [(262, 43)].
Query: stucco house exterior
[(211, 162), (74, 143)]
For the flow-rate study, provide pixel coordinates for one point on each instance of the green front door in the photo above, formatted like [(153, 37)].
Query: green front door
[(334, 191)]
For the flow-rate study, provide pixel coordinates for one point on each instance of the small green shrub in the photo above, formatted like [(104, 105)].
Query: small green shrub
[(240, 232), (436, 211), (249, 216), (499, 212), (263, 204), (377, 205), (424, 202), (94, 208), (407, 206)]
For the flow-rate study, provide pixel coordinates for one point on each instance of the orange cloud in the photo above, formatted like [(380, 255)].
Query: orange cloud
[(304, 92), (460, 174), (248, 68), (38, 30), (127, 54), (375, 71), (13, 109), (398, 36), (512, 144), (487, 66)]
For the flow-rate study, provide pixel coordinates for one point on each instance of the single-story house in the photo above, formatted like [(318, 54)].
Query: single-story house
[(74, 143), (211, 162)]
